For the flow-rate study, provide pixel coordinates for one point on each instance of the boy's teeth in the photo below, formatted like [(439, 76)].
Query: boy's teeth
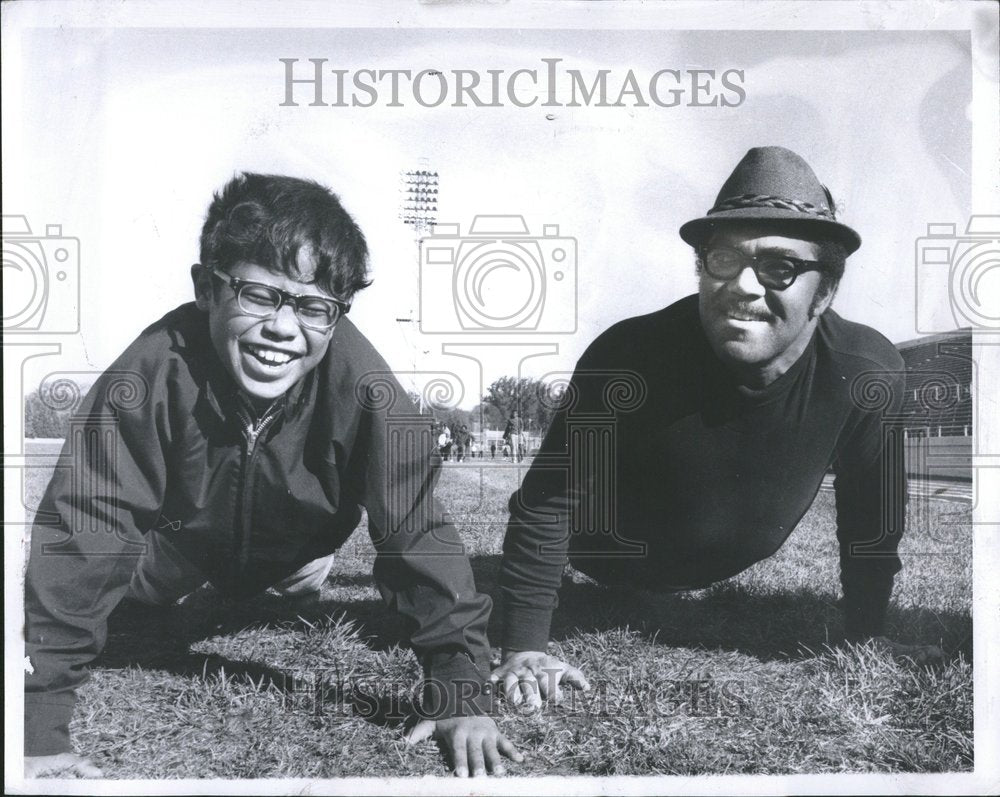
[(271, 356)]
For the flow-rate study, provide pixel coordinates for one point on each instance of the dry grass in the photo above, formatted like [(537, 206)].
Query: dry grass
[(738, 678)]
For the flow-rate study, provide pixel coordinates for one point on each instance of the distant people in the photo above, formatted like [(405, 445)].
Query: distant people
[(444, 443), (461, 440), (513, 436), (493, 449)]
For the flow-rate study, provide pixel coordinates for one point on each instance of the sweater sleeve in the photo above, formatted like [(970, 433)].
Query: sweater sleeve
[(870, 485), (421, 567), (105, 492), (536, 545), (562, 485)]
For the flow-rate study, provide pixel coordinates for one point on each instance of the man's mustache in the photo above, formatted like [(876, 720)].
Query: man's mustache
[(748, 311)]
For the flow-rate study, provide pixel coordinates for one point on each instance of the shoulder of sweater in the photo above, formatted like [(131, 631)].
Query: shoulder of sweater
[(858, 346), (635, 334)]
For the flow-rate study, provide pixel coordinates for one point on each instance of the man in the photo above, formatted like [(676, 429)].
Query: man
[(461, 442), (512, 435), (749, 398), (260, 423)]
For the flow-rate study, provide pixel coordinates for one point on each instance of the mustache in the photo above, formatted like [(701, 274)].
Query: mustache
[(747, 311)]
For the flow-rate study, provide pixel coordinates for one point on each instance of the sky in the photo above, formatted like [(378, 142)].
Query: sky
[(123, 133)]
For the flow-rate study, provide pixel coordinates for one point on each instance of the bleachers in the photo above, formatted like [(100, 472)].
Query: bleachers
[(939, 384)]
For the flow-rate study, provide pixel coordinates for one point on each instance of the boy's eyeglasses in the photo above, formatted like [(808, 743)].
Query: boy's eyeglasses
[(776, 272), (262, 300)]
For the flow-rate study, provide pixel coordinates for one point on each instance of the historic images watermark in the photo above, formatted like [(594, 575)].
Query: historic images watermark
[(329, 692), (41, 279), (501, 278), (314, 82), (969, 265)]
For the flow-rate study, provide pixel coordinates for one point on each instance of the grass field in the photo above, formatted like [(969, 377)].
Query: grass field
[(729, 680)]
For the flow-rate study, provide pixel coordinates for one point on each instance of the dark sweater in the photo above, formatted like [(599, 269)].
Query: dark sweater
[(662, 472)]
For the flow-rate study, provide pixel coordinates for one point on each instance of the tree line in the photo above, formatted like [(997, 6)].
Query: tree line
[(44, 417)]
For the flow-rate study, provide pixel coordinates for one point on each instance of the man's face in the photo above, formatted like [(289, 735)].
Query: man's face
[(265, 356), (758, 330)]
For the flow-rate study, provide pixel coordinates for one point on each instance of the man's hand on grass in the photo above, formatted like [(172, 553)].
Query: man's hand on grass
[(62, 765), (474, 744), (531, 676), (921, 655)]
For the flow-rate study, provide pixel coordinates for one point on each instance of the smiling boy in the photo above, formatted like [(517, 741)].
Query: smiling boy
[(259, 432)]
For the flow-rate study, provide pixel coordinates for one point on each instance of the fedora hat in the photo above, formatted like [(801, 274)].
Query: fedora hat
[(773, 184)]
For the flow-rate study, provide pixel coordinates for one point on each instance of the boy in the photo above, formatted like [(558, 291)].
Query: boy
[(258, 426)]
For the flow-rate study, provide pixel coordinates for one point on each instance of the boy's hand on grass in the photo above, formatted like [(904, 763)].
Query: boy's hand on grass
[(531, 676), (62, 765), (474, 744), (921, 655)]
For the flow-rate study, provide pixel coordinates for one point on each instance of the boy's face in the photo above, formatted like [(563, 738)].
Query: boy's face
[(265, 356)]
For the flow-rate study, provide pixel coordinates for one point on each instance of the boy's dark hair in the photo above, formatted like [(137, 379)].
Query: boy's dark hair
[(268, 219)]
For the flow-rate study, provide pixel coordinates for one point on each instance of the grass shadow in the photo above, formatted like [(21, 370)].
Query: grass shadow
[(161, 638), (778, 624)]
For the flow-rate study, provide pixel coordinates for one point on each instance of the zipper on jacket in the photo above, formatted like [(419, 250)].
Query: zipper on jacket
[(253, 429)]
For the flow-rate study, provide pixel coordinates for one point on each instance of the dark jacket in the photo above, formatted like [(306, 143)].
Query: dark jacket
[(163, 442)]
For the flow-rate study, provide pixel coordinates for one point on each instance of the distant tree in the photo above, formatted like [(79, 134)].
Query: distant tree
[(489, 416), (526, 395), (43, 420)]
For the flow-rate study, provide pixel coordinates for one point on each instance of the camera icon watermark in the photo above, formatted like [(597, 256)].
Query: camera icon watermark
[(41, 279), (498, 278), (968, 266)]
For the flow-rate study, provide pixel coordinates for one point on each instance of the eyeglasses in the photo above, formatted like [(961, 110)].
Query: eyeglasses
[(776, 272), (258, 299)]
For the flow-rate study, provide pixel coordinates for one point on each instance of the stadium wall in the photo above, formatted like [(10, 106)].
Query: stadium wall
[(948, 458)]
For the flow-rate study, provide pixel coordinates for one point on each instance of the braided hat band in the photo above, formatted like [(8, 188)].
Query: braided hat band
[(773, 185), (766, 201)]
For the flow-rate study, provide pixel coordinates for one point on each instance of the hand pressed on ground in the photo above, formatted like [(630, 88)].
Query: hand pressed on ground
[(474, 744), (531, 676)]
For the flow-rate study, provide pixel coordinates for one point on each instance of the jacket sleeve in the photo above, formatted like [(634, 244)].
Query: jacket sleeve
[(104, 494), (870, 485), (421, 567)]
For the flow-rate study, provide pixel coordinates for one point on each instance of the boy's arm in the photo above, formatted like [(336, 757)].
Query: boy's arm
[(421, 568), (106, 490)]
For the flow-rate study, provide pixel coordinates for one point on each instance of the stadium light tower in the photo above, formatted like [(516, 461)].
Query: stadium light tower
[(420, 199), (418, 209)]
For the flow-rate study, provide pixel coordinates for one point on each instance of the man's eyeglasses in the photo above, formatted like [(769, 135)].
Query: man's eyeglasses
[(258, 299), (776, 272)]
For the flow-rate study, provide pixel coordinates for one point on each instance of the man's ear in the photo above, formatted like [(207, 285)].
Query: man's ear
[(821, 304), (202, 280)]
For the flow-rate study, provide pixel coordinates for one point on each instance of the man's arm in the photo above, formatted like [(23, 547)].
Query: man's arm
[(870, 485), (106, 490)]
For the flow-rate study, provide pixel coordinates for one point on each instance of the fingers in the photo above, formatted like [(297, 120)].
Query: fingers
[(530, 692), (85, 768), (419, 732), (493, 761), (459, 755), (66, 765), (476, 762), (510, 689), (576, 678), (507, 748)]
